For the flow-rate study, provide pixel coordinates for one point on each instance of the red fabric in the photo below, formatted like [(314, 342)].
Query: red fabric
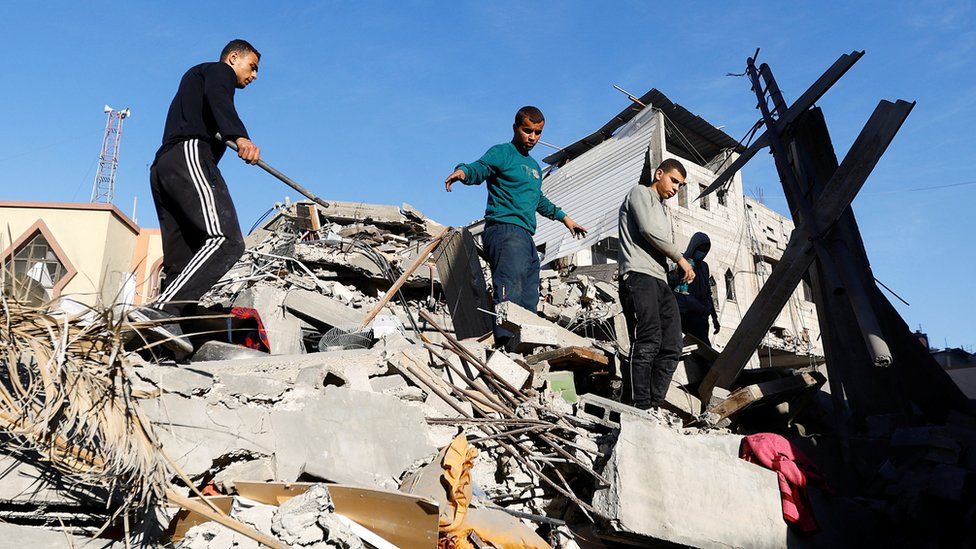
[(794, 470), (260, 342)]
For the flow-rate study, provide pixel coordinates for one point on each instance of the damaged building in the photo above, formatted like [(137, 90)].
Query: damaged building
[(592, 176)]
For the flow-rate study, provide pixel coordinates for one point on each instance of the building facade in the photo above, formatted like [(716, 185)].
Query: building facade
[(91, 253)]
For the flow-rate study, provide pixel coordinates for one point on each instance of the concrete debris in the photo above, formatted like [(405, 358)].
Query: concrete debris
[(723, 502), (309, 520), (556, 447)]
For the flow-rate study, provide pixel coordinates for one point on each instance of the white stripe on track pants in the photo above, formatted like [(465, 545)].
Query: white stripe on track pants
[(200, 232)]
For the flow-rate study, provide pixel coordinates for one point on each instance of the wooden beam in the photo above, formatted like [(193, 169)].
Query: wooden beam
[(749, 395), (838, 193), (403, 278), (809, 97), (571, 356)]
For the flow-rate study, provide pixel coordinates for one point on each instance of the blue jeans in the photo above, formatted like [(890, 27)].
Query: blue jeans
[(514, 264)]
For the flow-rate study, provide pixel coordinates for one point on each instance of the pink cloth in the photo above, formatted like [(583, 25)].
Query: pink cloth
[(794, 470)]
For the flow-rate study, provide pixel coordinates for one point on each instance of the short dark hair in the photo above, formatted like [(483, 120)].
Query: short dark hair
[(532, 113), (672, 164), (240, 46)]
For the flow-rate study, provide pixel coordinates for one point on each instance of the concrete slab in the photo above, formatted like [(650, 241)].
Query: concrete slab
[(688, 490), (534, 330), (195, 433), (350, 436), (323, 310)]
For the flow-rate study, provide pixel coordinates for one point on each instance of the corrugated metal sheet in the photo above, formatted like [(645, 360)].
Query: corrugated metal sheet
[(706, 139), (592, 186)]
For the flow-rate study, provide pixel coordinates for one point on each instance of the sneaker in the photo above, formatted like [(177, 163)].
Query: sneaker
[(161, 326)]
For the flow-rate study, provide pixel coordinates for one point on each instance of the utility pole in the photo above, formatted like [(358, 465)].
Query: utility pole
[(103, 189)]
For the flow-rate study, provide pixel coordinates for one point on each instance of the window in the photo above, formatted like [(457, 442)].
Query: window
[(37, 260), (683, 196), (703, 201), (729, 285), (723, 197)]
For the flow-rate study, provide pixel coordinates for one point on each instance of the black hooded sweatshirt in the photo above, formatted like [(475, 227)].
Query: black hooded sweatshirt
[(204, 106), (699, 299)]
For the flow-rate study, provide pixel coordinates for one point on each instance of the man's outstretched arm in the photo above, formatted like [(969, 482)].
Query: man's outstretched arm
[(549, 210), (476, 172)]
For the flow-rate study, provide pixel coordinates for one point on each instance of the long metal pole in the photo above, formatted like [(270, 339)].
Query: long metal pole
[(282, 177)]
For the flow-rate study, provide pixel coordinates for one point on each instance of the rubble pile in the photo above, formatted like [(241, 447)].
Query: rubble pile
[(375, 410)]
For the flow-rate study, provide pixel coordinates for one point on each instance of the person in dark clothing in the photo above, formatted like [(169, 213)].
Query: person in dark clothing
[(201, 235), (515, 196), (653, 322), (697, 305)]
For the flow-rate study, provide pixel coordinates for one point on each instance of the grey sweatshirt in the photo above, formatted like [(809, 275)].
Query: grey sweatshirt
[(646, 242)]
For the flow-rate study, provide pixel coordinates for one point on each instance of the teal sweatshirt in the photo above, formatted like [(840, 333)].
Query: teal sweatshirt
[(514, 186)]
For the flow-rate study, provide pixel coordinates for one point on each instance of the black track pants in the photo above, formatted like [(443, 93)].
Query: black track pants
[(200, 232), (655, 338)]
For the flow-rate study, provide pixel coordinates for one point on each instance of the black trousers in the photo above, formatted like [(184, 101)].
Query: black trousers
[(200, 232), (655, 339), (696, 325)]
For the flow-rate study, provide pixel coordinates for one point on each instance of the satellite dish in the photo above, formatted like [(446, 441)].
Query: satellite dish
[(107, 109)]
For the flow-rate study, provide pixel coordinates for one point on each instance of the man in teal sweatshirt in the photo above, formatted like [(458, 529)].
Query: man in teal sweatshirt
[(514, 197)]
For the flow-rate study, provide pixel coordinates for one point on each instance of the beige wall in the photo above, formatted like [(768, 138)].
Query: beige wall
[(97, 240)]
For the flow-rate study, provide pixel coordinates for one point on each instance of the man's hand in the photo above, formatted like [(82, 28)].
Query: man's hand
[(577, 230), (247, 151), (456, 175), (689, 272)]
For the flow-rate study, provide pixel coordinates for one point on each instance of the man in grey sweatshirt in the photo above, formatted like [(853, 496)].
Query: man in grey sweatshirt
[(646, 243)]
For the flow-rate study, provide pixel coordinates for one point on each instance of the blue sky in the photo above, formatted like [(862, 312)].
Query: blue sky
[(376, 102)]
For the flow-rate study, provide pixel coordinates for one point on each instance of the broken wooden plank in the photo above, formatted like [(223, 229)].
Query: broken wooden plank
[(741, 399), (571, 356)]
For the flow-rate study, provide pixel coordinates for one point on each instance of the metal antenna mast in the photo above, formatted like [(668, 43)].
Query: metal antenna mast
[(103, 189)]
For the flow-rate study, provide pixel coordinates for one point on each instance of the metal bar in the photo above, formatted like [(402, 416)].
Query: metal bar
[(282, 177)]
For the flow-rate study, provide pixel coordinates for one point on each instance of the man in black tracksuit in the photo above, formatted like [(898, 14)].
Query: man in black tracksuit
[(201, 236)]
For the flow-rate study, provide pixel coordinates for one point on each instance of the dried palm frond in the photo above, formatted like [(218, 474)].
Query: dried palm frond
[(64, 396)]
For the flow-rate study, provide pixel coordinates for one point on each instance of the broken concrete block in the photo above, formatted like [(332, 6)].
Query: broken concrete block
[(185, 382), (508, 369), (688, 490), (284, 331), (321, 310), (195, 433), (550, 311), (261, 469), (309, 520), (221, 350), (349, 436), (532, 330), (388, 384)]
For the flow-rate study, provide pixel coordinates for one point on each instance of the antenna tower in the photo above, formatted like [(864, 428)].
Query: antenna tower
[(103, 189)]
